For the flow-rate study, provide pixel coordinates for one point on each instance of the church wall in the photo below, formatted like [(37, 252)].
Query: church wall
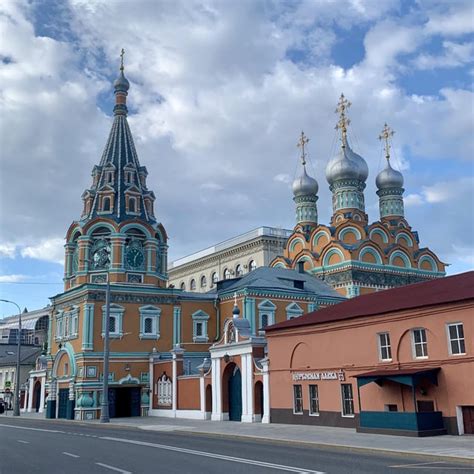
[(188, 393)]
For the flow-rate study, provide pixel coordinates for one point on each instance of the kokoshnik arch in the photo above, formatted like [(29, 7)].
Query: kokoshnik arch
[(350, 254)]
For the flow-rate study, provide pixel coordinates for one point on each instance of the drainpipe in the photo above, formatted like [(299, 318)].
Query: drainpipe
[(218, 320)]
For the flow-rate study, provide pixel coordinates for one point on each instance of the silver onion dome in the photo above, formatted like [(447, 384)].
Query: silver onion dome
[(346, 165), (121, 83), (389, 178), (304, 185)]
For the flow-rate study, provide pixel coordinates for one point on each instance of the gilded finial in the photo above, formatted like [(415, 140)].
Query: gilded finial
[(122, 53), (343, 122), (386, 134), (301, 144)]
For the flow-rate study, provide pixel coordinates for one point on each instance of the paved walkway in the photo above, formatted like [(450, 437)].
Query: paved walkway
[(439, 446)]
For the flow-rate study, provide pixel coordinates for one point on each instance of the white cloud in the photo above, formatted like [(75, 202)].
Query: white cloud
[(12, 278), (51, 250), (7, 250), (453, 55), (451, 18), (282, 178)]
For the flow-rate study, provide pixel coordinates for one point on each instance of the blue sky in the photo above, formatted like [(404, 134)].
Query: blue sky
[(219, 93)]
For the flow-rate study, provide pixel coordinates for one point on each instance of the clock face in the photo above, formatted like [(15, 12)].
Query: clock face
[(101, 258), (135, 257)]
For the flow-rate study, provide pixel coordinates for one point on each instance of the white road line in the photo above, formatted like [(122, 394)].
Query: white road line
[(223, 457), (113, 468), (32, 429), (420, 464), (70, 455), (429, 465), (24, 442)]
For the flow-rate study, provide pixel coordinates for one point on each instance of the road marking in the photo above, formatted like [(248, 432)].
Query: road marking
[(223, 457), (113, 468), (24, 442), (429, 465), (32, 429), (70, 455)]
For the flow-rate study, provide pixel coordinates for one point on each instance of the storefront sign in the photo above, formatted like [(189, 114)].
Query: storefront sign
[(298, 376)]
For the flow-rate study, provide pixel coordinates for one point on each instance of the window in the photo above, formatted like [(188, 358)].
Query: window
[(239, 270), (200, 319), (203, 282), (420, 346), (149, 322), (164, 390), (227, 274), (347, 399), (313, 400), (132, 204), (112, 324), (106, 204), (297, 400), (183, 286), (384, 346), (293, 310), (266, 314), (252, 265), (115, 321), (148, 326), (264, 320), (215, 278), (192, 285), (456, 339)]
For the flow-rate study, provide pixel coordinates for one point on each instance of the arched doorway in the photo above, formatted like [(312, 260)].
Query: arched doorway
[(235, 395), (37, 395)]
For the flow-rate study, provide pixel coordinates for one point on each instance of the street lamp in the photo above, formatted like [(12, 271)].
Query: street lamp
[(16, 406)]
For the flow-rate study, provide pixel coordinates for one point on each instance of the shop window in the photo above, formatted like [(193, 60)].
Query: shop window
[(385, 350), (297, 400), (347, 399), (420, 345), (313, 400), (456, 339)]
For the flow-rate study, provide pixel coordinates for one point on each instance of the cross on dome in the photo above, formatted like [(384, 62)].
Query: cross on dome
[(386, 134), (122, 53), (301, 144), (343, 122)]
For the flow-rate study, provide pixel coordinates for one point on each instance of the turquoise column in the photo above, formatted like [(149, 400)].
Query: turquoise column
[(249, 313), (88, 327), (312, 307), (176, 325)]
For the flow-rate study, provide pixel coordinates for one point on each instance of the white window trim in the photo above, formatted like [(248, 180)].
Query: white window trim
[(309, 399), (294, 400), (294, 310), (449, 339), (201, 317), (413, 346), (147, 312), (117, 312), (342, 401), (379, 342), (268, 308)]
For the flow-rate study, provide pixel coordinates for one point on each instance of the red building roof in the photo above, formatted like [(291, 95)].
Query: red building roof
[(445, 290)]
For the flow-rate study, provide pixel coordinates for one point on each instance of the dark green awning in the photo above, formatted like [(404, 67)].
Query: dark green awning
[(410, 377)]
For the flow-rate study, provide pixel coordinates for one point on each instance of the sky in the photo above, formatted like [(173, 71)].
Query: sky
[(220, 91)]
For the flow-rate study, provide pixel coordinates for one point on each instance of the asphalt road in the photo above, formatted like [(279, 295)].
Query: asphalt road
[(38, 446)]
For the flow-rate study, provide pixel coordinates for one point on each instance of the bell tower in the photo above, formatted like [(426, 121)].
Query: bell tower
[(117, 235)]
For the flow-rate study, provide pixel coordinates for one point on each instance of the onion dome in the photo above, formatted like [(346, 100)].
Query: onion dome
[(389, 178), (346, 165), (304, 185), (121, 83)]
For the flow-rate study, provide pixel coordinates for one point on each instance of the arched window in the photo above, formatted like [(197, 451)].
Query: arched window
[(203, 282), (214, 279), (106, 204), (252, 265), (183, 285), (192, 285), (239, 270), (227, 274)]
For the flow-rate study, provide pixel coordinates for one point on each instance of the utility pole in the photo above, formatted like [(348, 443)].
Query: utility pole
[(16, 405), (104, 408)]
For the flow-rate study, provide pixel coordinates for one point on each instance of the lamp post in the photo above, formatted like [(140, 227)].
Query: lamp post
[(104, 407), (16, 406)]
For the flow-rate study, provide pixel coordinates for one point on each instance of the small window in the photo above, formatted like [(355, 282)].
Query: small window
[(148, 326), (203, 282), (347, 399), (456, 339), (183, 286), (192, 285), (264, 320), (132, 205), (239, 270), (420, 345), (199, 330), (297, 400), (106, 204), (227, 274), (313, 400), (214, 278), (384, 346), (391, 407), (252, 265), (112, 324)]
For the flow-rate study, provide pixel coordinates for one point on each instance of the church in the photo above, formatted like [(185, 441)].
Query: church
[(350, 254), (172, 352)]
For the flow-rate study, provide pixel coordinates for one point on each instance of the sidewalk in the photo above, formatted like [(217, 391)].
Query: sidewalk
[(461, 447)]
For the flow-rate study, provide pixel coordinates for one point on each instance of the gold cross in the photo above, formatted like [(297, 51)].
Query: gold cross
[(343, 122), (386, 134), (301, 144), (121, 59)]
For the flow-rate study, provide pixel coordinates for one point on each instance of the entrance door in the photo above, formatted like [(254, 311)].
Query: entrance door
[(468, 419), (37, 396), (235, 395), (63, 396), (124, 402)]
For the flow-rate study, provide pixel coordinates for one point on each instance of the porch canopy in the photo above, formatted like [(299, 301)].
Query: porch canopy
[(410, 377)]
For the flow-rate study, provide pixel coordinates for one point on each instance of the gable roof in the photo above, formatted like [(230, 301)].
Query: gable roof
[(445, 290)]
